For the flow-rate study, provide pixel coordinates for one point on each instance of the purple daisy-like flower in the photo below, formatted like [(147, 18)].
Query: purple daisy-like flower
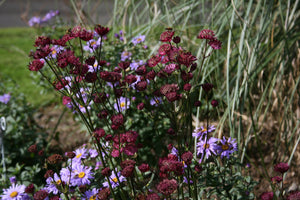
[(82, 175), (34, 21), (227, 147), (91, 194), (199, 132), (52, 183), (134, 64), (122, 104), (95, 67), (66, 175), (92, 45), (14, 192), (207, 147), (125, 55), (55, 50), (93, 153), (80, 154), (138, 39), (13, 180), (113, 179), (155, 101), (5, 98)]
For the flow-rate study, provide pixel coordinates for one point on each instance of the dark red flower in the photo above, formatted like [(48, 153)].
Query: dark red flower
[(187, 157), (153, 196), (173, 96), (117, 120), (176, 39), (99, 133), (276, 179), (127, 171), (32, 148), (59, 84), (186, 58), (103, 114), (140, 106), (281, 167), (54, 159), (101, 30), (40, 195), (91, 77), (41, 152), (171, 131), (168, 88), (130, 149), (29, 189), (167, 36), (144, 167), (124, 65), (85, 35), (197, 103), (266, 196), (206, 34), (103, 194), (100, 97), (42, 52), (130, 79), (295, 195), (110, 76), (49, 173), (214, 103), (207, 87), (187, 87), (70, 154), (167, 187), (164, 49), (198, 168), (90, 60), (106, 171), (36, 65), (141, 85), (215, 44), (153, 61), (141, 70), (150, 75), (42, 41)]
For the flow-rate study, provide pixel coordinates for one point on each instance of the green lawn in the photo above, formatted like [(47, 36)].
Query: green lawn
[(15, 45)]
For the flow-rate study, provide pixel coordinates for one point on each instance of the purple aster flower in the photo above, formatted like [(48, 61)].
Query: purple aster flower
[(55, 50), (114, 180), (155, 101), (93, 153), (134, 64), (66, 174), (91, 194), (34, 21), (13, 180), (82, 175), (50, 15), (80, 154), (126, 55), (122, 105), (5, 98), (138, 39), (52, 183), (227, 147), (92, 45), (94, 67), (98, 165), (199, 132), (14, 192), (208, 146)]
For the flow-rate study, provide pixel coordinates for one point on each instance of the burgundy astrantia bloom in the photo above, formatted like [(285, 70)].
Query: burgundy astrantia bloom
[(276, 179), (167, 36), (206, 34), (295, 195), (281, 167), (267, 196), (36, 65), (167, 187), (153, 196), (110, 76), (101, 30), (215, 44)]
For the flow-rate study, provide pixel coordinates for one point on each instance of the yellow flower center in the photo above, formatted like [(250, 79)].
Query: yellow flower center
[(13, 194), (203, 130), (122, 104), (79, 155), (93, 42), (54, 52), (156, 100), (139, 39), (115, 179), (95, 64), (225, 147), (206, 146), (81, 174), (92, 197), (58, 182)]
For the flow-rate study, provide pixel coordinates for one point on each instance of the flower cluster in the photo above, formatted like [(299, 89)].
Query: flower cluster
[(133, 107), (38, 21)]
